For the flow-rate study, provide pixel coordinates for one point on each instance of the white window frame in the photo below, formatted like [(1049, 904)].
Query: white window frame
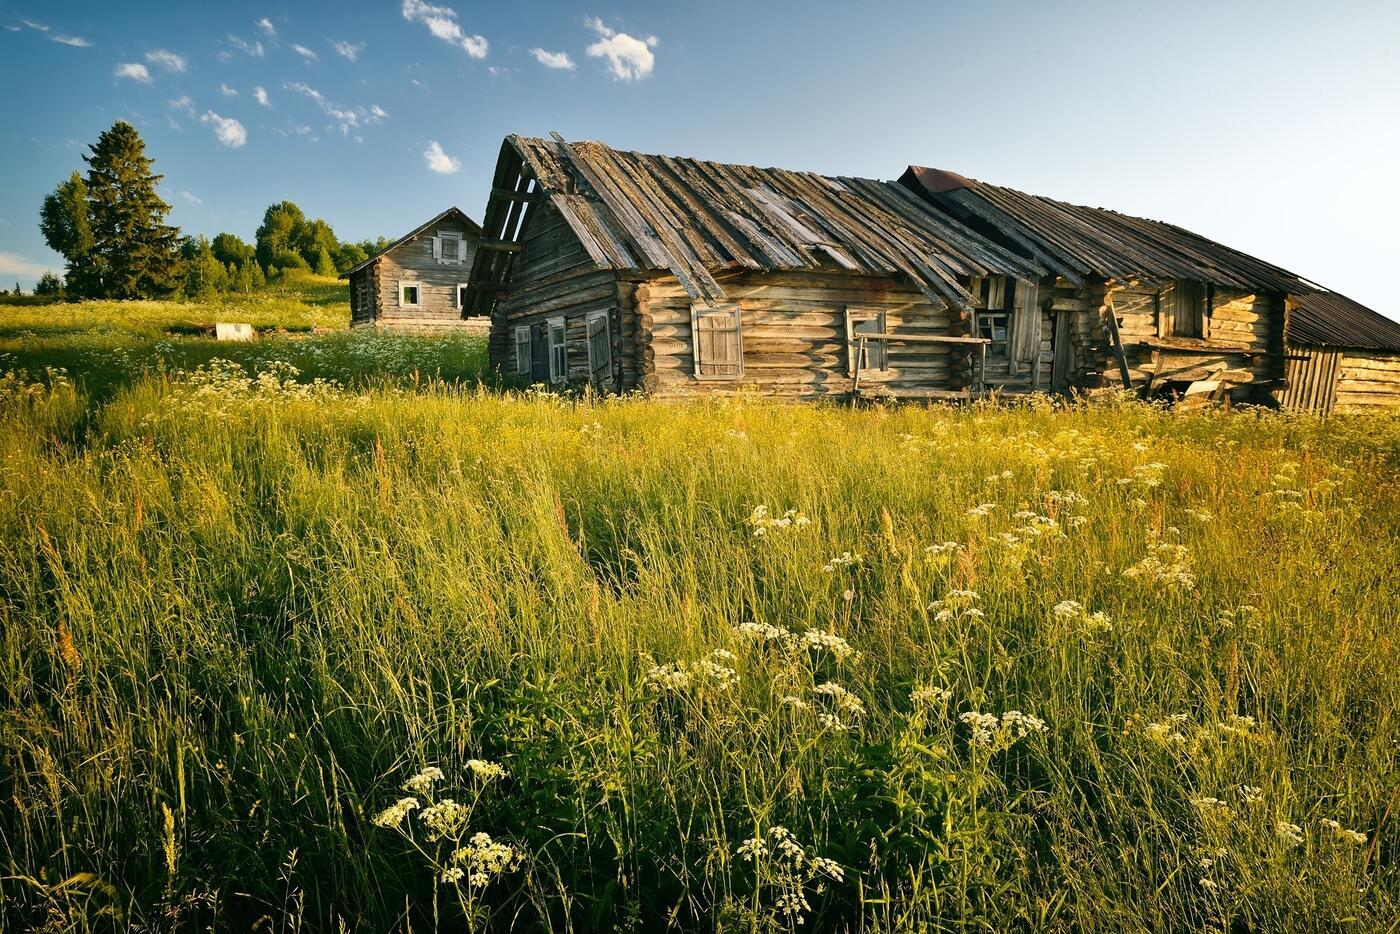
[(524, 362), (593, 366), (558, 363), (458, 256), (457, 295), (410, 284), (879, 351), (698, 311)]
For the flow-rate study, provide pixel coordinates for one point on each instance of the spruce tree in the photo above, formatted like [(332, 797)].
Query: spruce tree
[(64, 222), (134, 250)]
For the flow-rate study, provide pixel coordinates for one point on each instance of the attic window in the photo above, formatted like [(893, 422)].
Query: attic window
[(448, 247)]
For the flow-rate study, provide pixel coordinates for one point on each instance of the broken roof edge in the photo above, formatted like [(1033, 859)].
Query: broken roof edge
[(472, 227)]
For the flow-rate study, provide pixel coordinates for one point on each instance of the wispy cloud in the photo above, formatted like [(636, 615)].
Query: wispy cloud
[(442, 22), (629, 58), (189, 198), (12, 264), (175, 64), (133, 70), (226, 129), (347, 118), (304, 52), (227, 91), (560, 60), (77, 42), (254, 49), (260, 95), (182, 103), (266, 26), (350, 50), (439, 161)]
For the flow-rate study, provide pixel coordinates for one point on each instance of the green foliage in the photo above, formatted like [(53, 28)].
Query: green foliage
[(325, 266), (205, 276), (134, 251), (242, 610), (48, 284), (67, 229), (231, 250), (276, 236), (347, 256)]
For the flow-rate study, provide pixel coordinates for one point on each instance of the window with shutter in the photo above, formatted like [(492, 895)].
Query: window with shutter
[(558, 351), (717, 340), (1024, 326), (522, 350), (599, 348), (877, 353)]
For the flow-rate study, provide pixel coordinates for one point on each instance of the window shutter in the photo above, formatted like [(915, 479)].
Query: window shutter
[(1025, 325), (437, 248), (717, 343), (1188, 308), (522, 351), (461, 250), (996, 293), (599, 348)]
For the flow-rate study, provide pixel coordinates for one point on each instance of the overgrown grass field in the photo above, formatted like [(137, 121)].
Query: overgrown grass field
[(398, 656)]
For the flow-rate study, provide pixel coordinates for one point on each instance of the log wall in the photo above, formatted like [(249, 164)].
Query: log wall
[(1368, 381)]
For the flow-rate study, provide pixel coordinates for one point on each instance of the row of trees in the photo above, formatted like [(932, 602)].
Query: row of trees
[(110, 228)]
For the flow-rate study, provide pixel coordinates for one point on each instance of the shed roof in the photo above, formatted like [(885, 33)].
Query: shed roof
[(472, 227), (1330, 319), (1075, 240), (633, 211)]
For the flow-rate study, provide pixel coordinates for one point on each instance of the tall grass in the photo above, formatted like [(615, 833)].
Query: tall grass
[(239, 615)]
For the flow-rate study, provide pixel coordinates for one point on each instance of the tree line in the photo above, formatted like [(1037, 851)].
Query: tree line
[(110, 227)]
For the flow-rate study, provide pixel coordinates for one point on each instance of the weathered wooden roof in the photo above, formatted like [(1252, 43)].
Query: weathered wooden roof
[(472, 227), (1328, 319), (695, 218), (1076, 241)]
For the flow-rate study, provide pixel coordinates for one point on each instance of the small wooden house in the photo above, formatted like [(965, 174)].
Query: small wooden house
[(679, 276), (1342, 356), (419, 282)]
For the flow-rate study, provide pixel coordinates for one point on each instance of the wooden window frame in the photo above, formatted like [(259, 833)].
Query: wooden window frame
[(562, 373), (439, 254), (698, 363), (593, 366), (524, 365), (878, 351), (457, 295), (988, 317), (405, 284)]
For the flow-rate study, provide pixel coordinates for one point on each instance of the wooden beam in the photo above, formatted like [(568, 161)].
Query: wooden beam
[(499, 246), (532, 197)]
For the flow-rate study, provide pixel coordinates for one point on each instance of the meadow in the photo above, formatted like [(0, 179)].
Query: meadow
[(403, 650)]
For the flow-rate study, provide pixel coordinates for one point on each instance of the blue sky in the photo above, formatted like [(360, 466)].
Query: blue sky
[(1271, 126)]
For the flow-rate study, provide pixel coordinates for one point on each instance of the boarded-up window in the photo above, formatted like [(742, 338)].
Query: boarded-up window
[(558, 351), (877, 353), (719, 343), (1025, 326), (599, 348), (522, 350), (1183, 310)]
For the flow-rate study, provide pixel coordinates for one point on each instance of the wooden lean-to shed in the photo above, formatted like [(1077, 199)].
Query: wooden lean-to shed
[(679, 276), (1135, 302), (418, 282), (1342, 356)]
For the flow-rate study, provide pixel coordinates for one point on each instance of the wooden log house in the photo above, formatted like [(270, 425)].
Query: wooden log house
[(1341, 356), (419, 282), (682, 277), (1159, 308)]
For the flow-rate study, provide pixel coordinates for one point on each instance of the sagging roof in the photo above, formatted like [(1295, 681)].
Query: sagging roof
[(695, 218), (472, 227), (1329, 319), (1076, 241)]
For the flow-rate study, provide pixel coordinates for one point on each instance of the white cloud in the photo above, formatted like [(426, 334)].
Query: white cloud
[(629, 58), (12, 264), (182, 103), (228, 130), (442, 22), (439, 161), (348, 118), (227, 91), (171, 62), (304, 52), (553, 59), (266, 26), (77, 42), (189, 198), (350, 50), (260, 95), (133, 70), (255, 49)]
